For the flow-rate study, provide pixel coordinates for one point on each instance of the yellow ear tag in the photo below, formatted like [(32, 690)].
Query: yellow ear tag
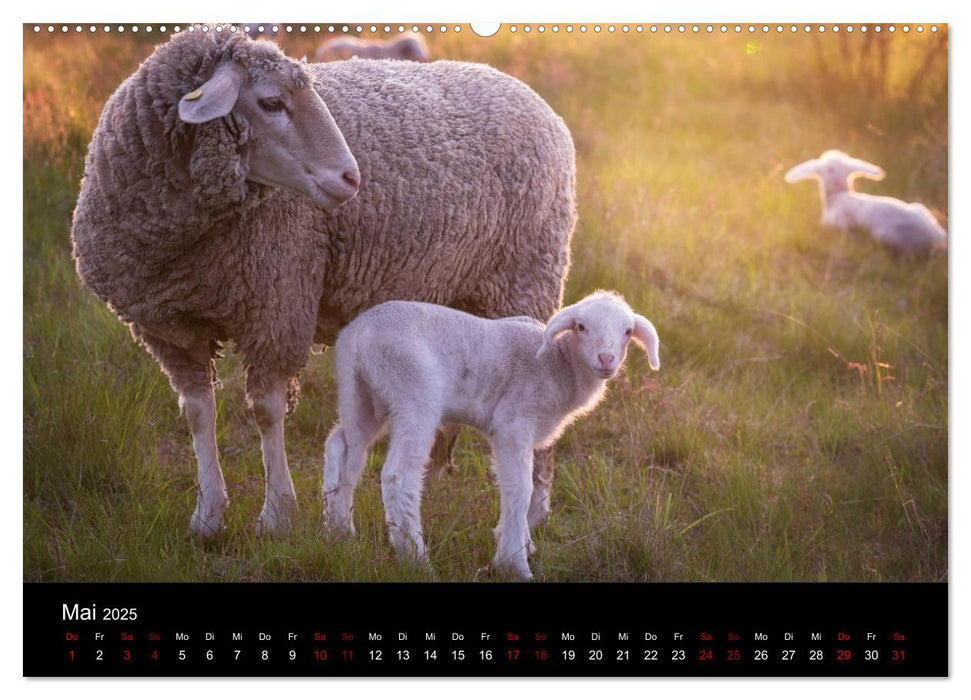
[(193, 95)]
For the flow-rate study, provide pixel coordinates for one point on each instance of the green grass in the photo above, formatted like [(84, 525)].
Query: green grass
[(796, 432)]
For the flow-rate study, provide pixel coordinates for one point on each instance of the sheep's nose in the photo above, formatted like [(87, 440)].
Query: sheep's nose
[(606, 359), (352, 177)]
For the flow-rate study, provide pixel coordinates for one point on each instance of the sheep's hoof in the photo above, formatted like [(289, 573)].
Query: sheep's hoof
[(274, 520), (206, 522), (267, 527)]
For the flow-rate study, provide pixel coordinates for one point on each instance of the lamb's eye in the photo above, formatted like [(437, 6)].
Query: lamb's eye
[(629, 332), (581, 328), (272, 104)]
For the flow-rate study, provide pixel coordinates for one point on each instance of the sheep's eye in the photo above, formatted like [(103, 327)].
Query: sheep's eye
[(272, 104), (581, 328), (629, 332)]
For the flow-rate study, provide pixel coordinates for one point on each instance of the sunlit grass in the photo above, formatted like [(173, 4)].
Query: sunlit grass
[(797, 430)]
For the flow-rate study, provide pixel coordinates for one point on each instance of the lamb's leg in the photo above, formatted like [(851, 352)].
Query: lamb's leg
[(442, 450), (269, 399), (345, 456), (346, 450), (539, 506), (192, 373), (512, 462), (401, 484)]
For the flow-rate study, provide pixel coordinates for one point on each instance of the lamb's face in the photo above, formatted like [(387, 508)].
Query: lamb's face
[(835, 170), (603, 330), (601, 326), (292, 141)]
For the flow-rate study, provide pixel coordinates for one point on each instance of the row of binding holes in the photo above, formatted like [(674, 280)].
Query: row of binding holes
[(713, 28), (569, 28), (261, 28)]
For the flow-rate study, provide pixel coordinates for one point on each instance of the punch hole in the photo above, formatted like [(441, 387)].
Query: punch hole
[(485, 29)]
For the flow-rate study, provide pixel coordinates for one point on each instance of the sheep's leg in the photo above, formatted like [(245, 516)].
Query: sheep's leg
[(512, 462), (200, 410), (401, 484), (539, 506), (269, 409), (192, 373)]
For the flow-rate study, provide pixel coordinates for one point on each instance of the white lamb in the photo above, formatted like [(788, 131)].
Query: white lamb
[(908, 228), (411, 367)]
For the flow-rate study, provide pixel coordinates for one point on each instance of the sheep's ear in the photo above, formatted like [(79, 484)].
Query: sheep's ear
[(867, 170), (561, 322), (215, 98), (803, 171), (646, 336)]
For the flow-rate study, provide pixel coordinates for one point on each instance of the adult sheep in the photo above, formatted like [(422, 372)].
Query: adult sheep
[(405, 48), (209, 213)]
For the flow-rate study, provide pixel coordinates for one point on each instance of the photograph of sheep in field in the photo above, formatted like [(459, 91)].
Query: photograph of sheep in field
[(206, 213)]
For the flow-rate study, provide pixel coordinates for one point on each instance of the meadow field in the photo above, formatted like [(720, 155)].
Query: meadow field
[(798, 428)]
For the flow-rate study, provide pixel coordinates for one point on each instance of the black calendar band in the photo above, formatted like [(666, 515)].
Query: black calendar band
[(636, 630)]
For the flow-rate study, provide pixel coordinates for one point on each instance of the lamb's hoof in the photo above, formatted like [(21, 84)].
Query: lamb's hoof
[(516, 569), (338, 527), (206, 522), (537, 515)]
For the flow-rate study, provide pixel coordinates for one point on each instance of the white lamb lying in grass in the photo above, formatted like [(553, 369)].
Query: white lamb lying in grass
[(908, 228), (412, 367)]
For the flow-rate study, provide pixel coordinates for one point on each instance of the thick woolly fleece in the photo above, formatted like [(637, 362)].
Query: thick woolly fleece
[(467, 200)]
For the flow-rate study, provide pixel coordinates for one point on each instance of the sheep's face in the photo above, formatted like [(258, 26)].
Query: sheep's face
[(292, 140), (296, 144), (602, 326)]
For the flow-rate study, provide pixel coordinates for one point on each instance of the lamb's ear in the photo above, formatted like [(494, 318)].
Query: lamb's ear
[(646, 337), (215, 98), (867, 170), (561, 322), (803, 171)]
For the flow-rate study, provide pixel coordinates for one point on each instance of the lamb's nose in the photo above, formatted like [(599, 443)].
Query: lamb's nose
[(352, 177), (605, 359)]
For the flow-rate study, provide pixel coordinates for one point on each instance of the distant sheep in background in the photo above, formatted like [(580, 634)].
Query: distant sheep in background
[(406, 48), (907, 228), (411, 367)]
